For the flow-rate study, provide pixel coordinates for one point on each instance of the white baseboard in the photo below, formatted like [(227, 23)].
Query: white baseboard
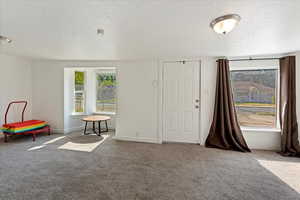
[(57, 130), (72, 129), (140, 139)]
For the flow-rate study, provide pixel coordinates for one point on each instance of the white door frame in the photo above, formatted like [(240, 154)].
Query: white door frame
[(162, 109)]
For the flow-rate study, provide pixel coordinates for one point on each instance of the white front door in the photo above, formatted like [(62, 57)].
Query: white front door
[(181, 101)]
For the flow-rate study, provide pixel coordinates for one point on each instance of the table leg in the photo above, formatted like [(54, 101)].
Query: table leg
[(99, 127), (5, 138), (85, 128), (106, 125), (94, 129)]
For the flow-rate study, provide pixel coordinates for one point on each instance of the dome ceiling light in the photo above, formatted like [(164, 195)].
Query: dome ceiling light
[(225, 24)]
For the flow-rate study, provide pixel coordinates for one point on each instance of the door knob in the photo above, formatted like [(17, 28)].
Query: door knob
[(197, 106), (197, 100)]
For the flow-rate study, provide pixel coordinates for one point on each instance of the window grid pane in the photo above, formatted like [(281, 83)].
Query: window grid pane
[(106, 92), (79, 97), (255, 97)]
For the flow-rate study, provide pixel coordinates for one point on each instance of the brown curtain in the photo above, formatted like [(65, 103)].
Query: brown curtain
[(225, 132), (288, 117)]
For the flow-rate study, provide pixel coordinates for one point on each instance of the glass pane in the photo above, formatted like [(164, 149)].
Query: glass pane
[(106, 92), (79, 81), (79, 102), (254, 93)]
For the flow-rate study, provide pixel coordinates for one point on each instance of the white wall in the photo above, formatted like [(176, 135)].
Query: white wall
[(139, 97), (73, 121), (51, 104), (298, 89), (208, 87), (48, 90), (15, 84), (266, 140), (139, 100), (41, 83), (138, 91), (49, 93)]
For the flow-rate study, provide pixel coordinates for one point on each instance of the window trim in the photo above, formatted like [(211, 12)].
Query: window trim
[(80, 91), (277, 127), (104, 113), (260, 129), (236, 68)]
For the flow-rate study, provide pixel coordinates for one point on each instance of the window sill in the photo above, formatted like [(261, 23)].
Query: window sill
[(256, 129), (104, 113), (95, 113), (79, 114)]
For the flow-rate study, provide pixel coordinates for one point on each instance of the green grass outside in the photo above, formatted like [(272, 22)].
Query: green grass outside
[(107, 101), (79, 110)]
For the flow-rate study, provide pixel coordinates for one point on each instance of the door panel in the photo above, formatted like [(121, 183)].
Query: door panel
[(181, 90)]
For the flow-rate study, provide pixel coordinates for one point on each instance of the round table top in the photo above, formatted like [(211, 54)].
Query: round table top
[(96, 118)]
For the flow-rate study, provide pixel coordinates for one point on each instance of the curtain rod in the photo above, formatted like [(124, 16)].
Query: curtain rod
[(247, 59)]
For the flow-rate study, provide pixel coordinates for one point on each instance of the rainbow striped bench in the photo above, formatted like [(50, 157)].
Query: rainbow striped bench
[(32, 127)]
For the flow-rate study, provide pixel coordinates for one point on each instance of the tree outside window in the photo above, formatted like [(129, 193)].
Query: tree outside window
[(255, 94), (79, 94), (106, 91)]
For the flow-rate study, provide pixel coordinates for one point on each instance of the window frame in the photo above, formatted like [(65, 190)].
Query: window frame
[(97, 71), (80, 91), (277, 90)]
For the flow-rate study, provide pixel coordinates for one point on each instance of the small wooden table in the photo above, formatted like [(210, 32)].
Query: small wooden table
[(96, 118)]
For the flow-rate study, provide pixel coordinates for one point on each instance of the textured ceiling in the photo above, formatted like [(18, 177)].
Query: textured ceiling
[(135, 29)]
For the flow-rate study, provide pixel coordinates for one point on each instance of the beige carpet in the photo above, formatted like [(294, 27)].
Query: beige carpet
[(91, 167)]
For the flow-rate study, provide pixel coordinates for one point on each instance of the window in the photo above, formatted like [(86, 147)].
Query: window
[(79, 92), (106, 91), (93, 90), (255, 95)]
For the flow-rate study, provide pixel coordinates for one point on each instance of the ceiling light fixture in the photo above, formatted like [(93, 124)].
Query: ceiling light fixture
[(225, 24), (5, 39)]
